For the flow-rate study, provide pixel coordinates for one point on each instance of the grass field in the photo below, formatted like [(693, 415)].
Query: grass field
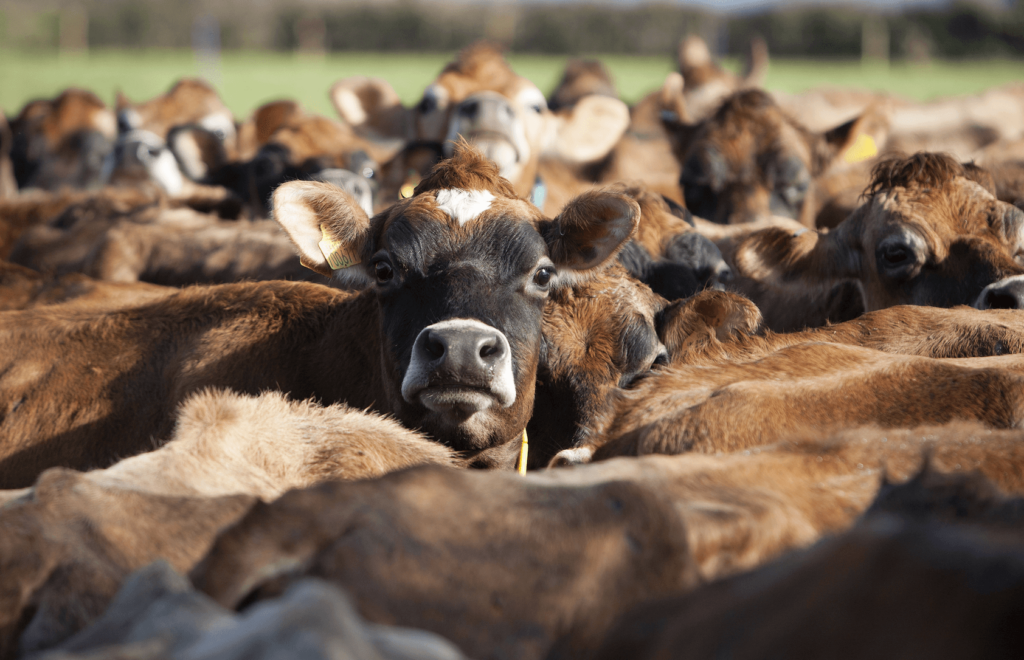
[(247, 79)]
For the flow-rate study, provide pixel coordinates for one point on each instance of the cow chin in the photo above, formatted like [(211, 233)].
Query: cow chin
[(456, 404), (461, 429), (501, 151)]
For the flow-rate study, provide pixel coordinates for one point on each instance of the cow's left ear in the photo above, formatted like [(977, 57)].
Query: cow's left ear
[(858, 140), (327, 226), (588, 132), (591, 229)]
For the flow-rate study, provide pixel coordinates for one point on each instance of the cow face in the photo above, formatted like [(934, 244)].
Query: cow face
[(480, 98), (749, 160), (62, 142), (927, 235), (461, 273)]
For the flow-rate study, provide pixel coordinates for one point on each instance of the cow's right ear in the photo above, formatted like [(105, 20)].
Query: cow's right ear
[(591, 229), (807, 258), (327, 226), (684, 324)]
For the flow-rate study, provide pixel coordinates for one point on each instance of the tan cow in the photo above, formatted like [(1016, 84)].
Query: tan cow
[(504, 566), (926, 235), (71, 538)]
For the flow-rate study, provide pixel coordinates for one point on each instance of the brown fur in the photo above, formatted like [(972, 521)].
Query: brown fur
[(23, 288), (226, 450), (737, 511), (825, 387), (581, 78), (188, 101), (894, 586), (968, 239)]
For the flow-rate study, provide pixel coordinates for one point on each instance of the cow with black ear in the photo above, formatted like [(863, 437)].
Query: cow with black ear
[(460, 274), (445, 335)]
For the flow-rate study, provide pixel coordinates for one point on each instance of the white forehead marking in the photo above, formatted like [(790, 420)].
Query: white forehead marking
[(463, 205)]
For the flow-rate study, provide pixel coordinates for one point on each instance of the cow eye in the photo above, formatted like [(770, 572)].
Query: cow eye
[(383, 271), (542, 278)]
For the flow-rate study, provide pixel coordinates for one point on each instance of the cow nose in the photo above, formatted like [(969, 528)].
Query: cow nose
[(469, 108), (1004, 294), (460, 363)]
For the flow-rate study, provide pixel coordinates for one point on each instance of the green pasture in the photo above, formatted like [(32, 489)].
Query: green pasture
[(247, 79)]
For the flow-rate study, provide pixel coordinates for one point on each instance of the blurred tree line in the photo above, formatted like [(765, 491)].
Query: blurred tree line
[(960, 29)]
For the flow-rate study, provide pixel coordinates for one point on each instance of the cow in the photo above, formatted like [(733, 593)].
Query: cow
[(900, 584), (717, 327), (579, 79), (312, 616), (707, 83), (87, 531), (750, 160), (171, 247), (927, 234), (445, 335), (480, 98), (62, 141), (23, 288), (569, 550)]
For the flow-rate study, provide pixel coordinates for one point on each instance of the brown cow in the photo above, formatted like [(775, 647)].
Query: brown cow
[(707, 83), (8, 184), (479, 97), (85, 532), (926, 235), (502, 566), (23, 288), (446, 337), (173, 247), (895, 586), (581, 78), (62, 142), (750, 160)]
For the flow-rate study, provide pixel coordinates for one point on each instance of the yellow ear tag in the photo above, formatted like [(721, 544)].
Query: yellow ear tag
[(524, 451), (335, 254), (863, 147)]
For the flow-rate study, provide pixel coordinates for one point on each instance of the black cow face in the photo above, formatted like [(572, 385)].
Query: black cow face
[(461, 272)]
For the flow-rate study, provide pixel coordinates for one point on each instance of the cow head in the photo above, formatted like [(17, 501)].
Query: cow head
[(63, 141), (749, 160), (461, 273), (480, 98), (926, 235)]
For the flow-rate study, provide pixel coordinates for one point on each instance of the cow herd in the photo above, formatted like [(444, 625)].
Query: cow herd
[(266, 383)]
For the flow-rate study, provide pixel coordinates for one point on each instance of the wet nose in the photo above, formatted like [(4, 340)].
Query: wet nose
[(1004, 294), (467, 353), (461, 353)]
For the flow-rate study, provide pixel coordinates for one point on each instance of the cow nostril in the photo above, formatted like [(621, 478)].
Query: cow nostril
[(433, 348), (469, 109), (1002, 300), (725, 275), (489, 349)]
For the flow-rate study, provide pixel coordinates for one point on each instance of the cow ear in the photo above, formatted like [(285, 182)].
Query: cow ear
[(591, 229), (590, 129), (370, 105), (327, 226), (121, 102), (857, 140), (807, 258), (755, 66)]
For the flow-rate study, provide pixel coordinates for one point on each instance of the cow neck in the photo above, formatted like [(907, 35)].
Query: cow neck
[(344, 361)]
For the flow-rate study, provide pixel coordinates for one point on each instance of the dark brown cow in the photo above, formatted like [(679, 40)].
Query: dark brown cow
[(62, 142), (895, 586), (447, 337), (750, 160), (927, 235)]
